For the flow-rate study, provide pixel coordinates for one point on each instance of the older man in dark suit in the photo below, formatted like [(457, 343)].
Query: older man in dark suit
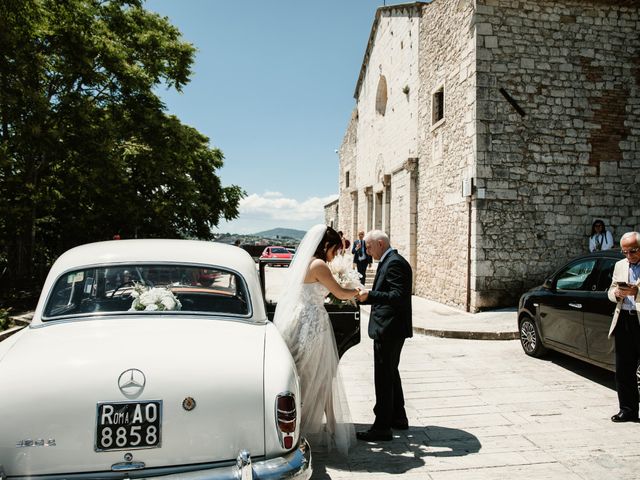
[(389, 324)]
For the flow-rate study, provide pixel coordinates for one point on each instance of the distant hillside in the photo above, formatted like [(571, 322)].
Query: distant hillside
[(281, 233)]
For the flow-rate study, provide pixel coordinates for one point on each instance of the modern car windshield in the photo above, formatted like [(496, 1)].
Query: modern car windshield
[(145, 288), (279, 250)]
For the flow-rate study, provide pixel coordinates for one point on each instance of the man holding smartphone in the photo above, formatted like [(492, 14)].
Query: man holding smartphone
[(625, 326)]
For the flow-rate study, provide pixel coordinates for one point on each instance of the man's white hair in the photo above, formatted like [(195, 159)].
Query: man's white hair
[(376, 235), (634, 235)]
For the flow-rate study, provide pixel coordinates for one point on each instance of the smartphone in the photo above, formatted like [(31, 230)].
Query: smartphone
[(623, 285)]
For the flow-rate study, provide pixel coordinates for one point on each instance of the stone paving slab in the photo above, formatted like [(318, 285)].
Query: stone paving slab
[(484, 410)]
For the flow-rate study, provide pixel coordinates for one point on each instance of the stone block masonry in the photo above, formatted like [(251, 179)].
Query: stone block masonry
[(533, 105)]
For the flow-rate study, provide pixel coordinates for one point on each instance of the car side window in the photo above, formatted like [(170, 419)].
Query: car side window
[(576, 276), (606, 273)]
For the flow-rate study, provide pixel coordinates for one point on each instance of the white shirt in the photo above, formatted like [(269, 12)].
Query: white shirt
[(386, 252), (629, 302), (604, 240)]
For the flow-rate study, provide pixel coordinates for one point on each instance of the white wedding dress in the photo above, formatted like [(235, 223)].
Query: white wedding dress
[(325, 413), (304, 325)]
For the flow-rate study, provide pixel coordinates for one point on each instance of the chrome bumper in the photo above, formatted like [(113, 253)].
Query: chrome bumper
[(295, 465)]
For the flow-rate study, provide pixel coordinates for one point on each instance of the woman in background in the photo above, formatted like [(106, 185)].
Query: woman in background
[(601, 238)]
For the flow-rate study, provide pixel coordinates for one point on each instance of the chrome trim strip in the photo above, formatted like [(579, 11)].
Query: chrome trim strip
[(295, 465), (119, 315), (127, 466)]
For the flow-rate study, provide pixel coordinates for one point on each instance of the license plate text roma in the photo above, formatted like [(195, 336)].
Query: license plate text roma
[(128, 425)]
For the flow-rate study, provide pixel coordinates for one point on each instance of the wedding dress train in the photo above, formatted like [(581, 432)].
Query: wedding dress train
[(312, 344)]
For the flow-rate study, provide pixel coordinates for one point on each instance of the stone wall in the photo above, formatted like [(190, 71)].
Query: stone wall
[(541, 121), (332, 214), (558, 120), (447, 61), (348, 186), (386, 126)]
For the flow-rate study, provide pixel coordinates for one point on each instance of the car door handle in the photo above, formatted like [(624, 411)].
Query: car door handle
[(575, 305)]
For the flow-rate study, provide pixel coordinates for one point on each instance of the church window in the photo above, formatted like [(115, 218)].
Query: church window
[(346, 179), (437, 106), (381, 95)]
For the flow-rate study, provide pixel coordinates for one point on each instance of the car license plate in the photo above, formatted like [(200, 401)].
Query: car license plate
[(128, 425)]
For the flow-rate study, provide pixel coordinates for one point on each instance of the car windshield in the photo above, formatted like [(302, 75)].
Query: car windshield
[(145, 288), (279, 250)]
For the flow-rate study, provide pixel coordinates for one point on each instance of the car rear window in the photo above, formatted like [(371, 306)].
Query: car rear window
[(142, 289), (279, 250)]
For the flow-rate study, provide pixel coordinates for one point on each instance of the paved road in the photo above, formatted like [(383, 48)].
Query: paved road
[(481, 409)]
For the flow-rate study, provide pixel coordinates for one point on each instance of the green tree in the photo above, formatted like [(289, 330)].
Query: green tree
[(87, 149)]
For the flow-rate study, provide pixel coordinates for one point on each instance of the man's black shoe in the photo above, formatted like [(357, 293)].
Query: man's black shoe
[(375, 435), (623, 416), (400, 425)]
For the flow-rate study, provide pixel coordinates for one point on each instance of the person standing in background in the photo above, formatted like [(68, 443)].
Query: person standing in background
[(345, 242), (360, 256), (601, 238)]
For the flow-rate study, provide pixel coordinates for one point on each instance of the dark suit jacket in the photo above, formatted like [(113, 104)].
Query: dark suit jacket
[(390, 299), (356, 253)]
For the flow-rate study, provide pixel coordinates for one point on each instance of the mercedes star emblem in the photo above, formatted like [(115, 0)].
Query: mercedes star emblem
[(131, 382)]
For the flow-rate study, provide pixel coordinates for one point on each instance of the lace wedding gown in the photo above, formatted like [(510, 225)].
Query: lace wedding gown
[(313, 347)]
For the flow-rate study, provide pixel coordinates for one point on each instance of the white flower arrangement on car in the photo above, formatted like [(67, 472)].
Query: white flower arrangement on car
[(153, 299), (342, 270)]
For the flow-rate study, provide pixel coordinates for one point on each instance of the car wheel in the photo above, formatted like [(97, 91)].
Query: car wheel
[(530, 338)]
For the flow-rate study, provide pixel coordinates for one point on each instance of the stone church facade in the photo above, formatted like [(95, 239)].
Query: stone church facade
[(488, 135)]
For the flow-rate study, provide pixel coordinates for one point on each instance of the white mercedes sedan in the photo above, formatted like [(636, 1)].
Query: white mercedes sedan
[(150, 359)]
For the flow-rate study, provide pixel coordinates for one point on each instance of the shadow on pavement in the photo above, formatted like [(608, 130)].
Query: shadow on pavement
[(409, 449), (586, 370)]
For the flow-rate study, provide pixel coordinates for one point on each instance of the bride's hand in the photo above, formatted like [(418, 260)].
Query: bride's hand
[(362, 294)]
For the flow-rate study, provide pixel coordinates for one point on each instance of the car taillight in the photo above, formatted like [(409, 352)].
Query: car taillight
[(286, 412)]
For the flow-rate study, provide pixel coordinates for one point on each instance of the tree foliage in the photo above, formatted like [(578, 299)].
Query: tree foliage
[(87, 149)]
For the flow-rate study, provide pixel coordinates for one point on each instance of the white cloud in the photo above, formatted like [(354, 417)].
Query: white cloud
[(273, 210), (272, 195)]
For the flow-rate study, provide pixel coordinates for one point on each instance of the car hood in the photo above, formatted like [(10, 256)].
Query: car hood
[(53, 377)]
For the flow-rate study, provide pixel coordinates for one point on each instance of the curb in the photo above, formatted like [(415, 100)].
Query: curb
[(467, 335)]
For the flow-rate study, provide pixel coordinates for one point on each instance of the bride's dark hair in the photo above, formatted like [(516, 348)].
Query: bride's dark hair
[(331, 239)]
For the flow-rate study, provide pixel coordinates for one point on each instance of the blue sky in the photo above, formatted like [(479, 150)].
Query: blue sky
[(272, 87)]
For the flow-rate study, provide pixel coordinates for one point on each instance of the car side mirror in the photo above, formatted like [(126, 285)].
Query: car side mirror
[(548, 284)]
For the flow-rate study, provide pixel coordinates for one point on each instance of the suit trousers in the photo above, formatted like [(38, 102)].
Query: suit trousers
[(362, 265), (389, 407), (627, 341)]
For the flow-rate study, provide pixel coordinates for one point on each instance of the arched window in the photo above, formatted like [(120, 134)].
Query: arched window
[(381, 95)]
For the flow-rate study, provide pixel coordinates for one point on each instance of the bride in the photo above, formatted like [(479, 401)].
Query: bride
[(304, 324)]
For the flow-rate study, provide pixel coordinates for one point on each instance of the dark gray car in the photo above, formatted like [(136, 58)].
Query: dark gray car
[(570, 312)]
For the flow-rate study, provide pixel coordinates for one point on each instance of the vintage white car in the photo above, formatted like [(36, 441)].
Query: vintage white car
[(133, 367)]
